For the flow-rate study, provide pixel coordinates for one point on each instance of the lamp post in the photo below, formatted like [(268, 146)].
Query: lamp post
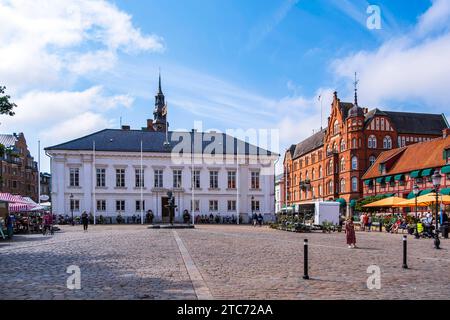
[(437, 183), (416, 191), (71, 207), (253, 198)]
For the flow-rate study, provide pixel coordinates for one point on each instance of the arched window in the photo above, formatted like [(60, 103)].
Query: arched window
[(330, 167), (320, 171), (387, 142), (335, 147), (295, 180), (354, 145), (306, 161), (320, 190), (307, 175), (355, 184), (372, 142), (330, 187), (342, 186), (354, 163), (336, 127), (342, 145), (313, 174), (342, 167), (371, 160)]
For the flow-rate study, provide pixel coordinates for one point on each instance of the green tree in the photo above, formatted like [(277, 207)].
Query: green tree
[(6, 106)]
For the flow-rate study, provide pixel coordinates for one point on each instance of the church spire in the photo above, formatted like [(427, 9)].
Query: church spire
[(356, 89), (159, 87)]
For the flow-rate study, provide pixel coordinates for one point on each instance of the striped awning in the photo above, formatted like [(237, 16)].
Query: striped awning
[(8, 197), (19, 207)]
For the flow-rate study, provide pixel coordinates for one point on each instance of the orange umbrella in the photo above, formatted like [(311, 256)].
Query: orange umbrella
[(424, 201), (386, 202)]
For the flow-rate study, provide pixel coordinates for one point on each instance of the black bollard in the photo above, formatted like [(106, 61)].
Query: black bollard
[(405, 265), (305, 260)]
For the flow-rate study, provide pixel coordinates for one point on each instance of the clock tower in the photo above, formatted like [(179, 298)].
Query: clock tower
[(160, 112)]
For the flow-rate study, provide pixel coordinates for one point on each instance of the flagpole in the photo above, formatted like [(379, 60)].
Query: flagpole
[(94, 174), (192, 178), (39, 172), (142, 185), (237, 181)]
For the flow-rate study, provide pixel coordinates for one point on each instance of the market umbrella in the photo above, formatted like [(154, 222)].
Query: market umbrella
[(424, 201), (387, 202)]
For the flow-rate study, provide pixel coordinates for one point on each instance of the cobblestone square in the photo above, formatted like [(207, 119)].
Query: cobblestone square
[(218, 262)]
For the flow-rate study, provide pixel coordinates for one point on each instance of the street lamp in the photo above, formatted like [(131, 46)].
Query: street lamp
[(437, 183), (253, 198), (71, 207), (416, 191)]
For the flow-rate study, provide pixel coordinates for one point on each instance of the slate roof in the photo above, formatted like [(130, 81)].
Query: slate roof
[(345, 107), (414, 123), (8, 140), (420, 155), (309, 144), (118, 140)]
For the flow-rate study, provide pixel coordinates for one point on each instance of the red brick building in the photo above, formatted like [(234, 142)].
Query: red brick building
[(18, 170), (330, 164), (396, 171)]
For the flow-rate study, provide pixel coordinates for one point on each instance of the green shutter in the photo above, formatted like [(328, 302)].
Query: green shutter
[(446, 169), (399, 177), (427, 172), (415, 174)]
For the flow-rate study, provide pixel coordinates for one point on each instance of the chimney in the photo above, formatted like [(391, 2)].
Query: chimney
[(126, 128), (446, 132)]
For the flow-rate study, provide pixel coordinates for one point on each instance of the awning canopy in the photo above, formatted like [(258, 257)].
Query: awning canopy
[(386, 202), (427, 172), (380, 180), (399, 177), (353, 203), (426, 191), (389, 179), (446, 191), (342, 202), (368, 182), (415, 174), (445, 169), (410, 195)]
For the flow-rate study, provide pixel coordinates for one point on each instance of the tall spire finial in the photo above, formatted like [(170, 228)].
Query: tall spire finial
[(159, 88), (356, 89)]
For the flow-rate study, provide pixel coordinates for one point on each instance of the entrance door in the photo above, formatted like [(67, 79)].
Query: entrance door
[(165, 210)]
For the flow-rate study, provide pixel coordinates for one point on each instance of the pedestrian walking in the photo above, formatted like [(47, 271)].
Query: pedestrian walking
[(9, 225), (350, 233), (260, 219), (85, 220), (369, 222), (254, 219)]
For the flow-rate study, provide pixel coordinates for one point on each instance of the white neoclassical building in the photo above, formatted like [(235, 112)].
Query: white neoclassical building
[(129, 172)]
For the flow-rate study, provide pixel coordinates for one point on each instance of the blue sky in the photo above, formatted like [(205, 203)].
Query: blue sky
[(231, 64)]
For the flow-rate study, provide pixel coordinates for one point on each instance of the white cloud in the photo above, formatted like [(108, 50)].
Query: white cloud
[(55, 117), (42, 40), (413, 68)]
